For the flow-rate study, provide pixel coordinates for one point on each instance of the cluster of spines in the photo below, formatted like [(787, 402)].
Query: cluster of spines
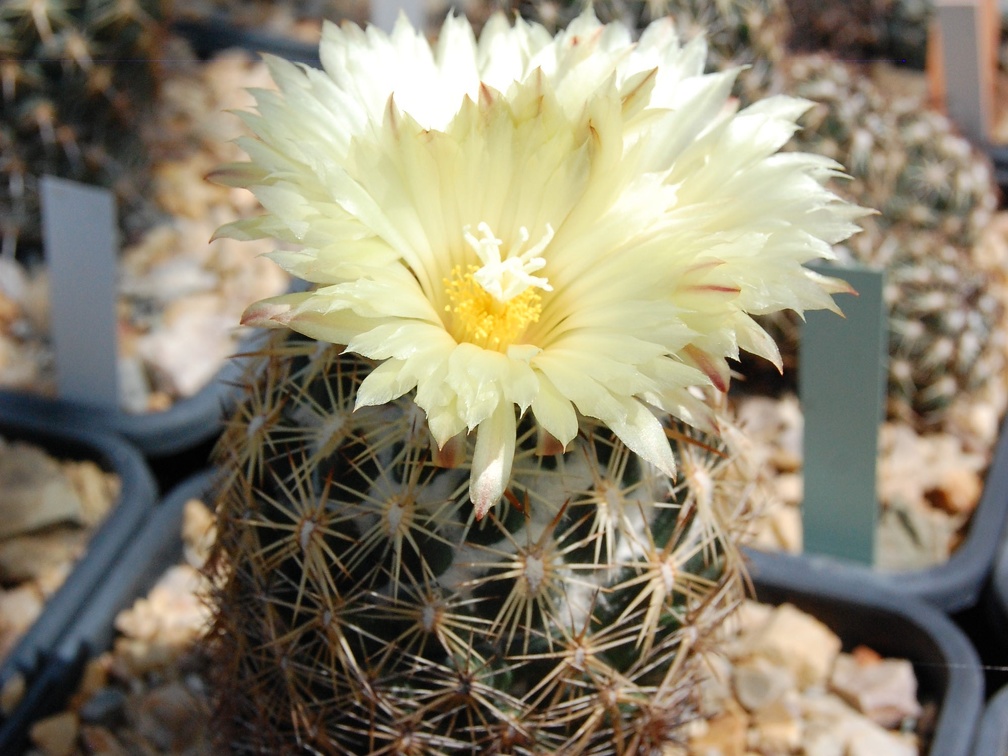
[(73, 78), (362, 609)]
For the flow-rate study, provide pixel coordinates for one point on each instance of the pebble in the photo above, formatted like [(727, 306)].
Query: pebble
[(35, 557), (48, 512), (19, 608), (761, 683), (35, 494), (884, 690), (797, 641), (928, 485), (782, 686), (56, 735), (12, 693)]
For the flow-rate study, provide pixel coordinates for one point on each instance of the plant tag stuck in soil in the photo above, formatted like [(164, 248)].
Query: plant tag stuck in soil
[(842, 383), (963, 62), (79, 231)]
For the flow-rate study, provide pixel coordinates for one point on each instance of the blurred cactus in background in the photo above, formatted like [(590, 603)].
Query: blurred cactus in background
[(76, 80), (750, 33)]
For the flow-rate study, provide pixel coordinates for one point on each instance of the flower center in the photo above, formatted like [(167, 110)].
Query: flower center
[(492, 305), (481, 319)]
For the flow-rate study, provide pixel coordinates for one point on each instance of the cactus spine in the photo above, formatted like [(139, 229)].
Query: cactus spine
[(362, 609)]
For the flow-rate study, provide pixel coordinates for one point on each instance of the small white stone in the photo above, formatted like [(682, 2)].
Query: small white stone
[(724, 735), (19, 608), (798, 641), (199, 530), (192, 343), (35, 491), (760, 683), (884, 690), (778, 727), (833, 728), (176, 277)]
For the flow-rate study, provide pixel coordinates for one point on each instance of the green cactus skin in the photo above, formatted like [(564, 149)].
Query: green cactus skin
[(360, 608)]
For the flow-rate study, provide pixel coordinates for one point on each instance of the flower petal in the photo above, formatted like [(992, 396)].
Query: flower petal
[(492, 459)]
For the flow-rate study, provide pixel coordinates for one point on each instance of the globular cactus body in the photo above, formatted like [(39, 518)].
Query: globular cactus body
[(361, 608), (74, 80)]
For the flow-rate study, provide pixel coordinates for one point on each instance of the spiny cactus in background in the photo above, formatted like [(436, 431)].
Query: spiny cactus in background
[(73, 78), (907, 23), (947, 325), (935, 194), (361, 608), (845, 28), (864, 30), (750, 33)]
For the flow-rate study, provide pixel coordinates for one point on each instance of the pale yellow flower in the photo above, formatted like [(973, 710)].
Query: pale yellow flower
[(574, 225)]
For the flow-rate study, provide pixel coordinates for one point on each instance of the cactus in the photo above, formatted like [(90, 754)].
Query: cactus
[(555, 377), (846, 28), (906, 160), (360, 608), (864, 30), (75, 78), (907, 23), (947, 327)]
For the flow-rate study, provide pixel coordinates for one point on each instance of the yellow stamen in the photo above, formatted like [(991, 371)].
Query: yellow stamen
[(478, 317)]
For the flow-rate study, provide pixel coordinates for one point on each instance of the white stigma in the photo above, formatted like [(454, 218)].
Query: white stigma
[(506, 278)]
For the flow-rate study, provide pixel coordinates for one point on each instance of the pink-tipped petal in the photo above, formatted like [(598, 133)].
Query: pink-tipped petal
[(492, 459), (452, 454), (266, 314), (548, 445), (718, 375)]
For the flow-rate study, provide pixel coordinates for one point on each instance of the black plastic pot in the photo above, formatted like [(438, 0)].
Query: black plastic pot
[(947, 666), (137, 497), (189, 422), (997, 590), (895, 624), (154, 548), (958, 583), (999, 157), (991, 634), (217, 32), (992, 737)]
